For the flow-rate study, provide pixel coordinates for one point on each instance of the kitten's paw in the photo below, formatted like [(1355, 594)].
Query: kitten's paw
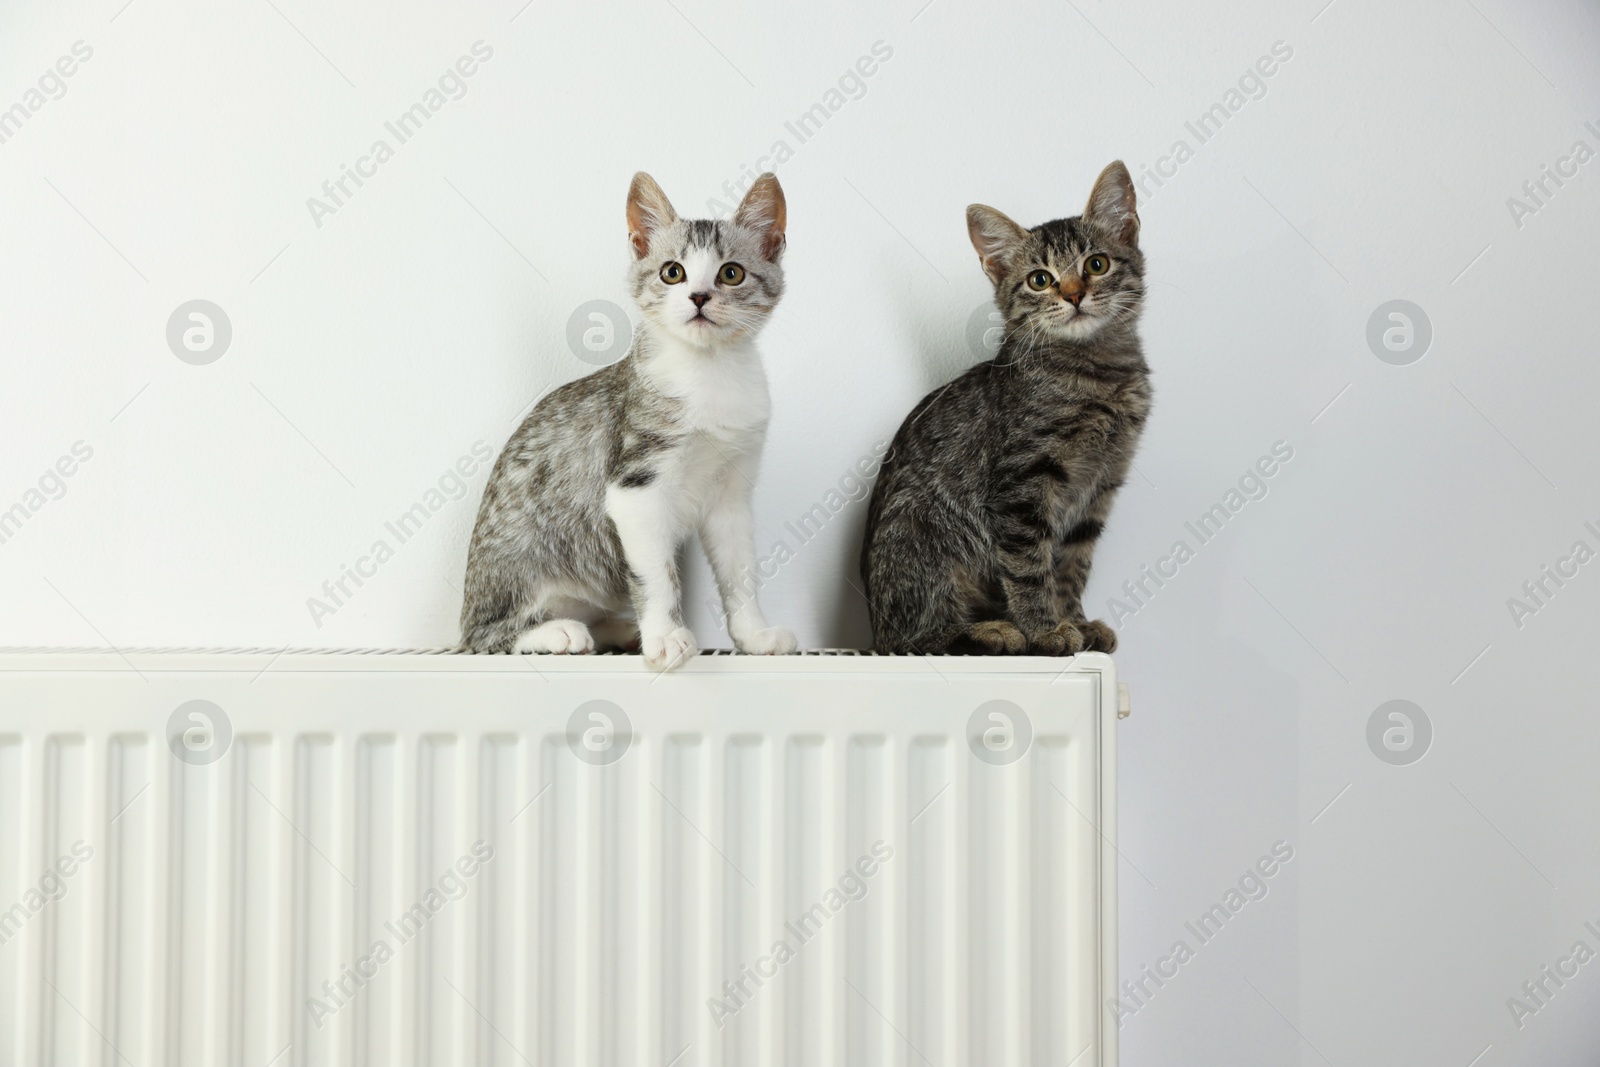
[(997, 638), (773, 641), (671, 649), (559, 636), (1098, 637), (1067, 639)]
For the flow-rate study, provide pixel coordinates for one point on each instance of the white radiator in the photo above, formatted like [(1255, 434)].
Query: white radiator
[(242, 858)]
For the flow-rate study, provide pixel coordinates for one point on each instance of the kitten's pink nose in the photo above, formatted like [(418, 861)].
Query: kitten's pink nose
[(699, 299)]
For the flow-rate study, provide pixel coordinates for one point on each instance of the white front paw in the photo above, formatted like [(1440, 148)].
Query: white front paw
[(671, 649), (773, 641)]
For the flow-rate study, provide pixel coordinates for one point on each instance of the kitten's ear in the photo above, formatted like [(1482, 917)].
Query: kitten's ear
[(1112, 206), (648, 211), (764, 210), (996, 238)]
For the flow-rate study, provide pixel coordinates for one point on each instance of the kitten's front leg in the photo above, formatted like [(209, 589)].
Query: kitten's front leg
[(1028, 581), (1073, 556), (1026, 568), (728, 533), (648, 530)]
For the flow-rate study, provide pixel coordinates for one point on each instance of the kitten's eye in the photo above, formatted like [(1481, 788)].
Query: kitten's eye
[(1040, 280), (731, 274), (672, 273), (1097, 264)]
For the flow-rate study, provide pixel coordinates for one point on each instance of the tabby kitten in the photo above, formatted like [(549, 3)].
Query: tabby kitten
[(984, 517), (577, 540)]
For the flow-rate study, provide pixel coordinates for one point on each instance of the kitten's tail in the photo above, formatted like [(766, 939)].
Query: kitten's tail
[(484, 629)]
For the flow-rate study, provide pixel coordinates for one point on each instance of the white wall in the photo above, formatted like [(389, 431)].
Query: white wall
[(371, 351)]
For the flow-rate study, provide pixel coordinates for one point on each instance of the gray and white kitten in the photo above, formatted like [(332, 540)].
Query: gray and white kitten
[(986, 512), (577, 540)]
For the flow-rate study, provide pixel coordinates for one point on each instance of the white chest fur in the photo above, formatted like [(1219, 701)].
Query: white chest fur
[(723, 391)]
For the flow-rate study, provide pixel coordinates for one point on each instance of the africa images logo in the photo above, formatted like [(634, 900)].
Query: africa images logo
[(999, 732), (599, 732), (199, 732)]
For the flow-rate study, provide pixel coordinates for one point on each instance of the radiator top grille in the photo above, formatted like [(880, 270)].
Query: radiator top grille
[(453, 660)]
